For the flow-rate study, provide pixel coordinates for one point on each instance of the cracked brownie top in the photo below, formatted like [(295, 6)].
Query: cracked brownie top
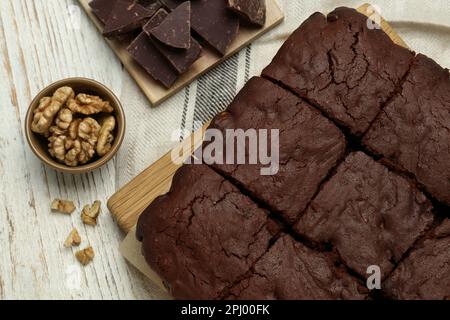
[(309, 146), (369, 215), (341, 66), (413, 131), (424, 274), (291, 271), (203, 235)]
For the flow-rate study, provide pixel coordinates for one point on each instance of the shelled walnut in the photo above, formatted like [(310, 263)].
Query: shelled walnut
[(63, 206), (89, 214), (71, 124), (89, 105), (106, 136), (73, 240), (85, 256), (48, 108)]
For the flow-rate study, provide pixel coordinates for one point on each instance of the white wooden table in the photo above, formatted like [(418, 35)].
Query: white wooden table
[(42, 41)]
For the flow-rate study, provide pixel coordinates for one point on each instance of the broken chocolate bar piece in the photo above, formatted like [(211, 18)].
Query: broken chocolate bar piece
[(125, 17), (102, 9), (181, 60), (252, 11), (155, 21), (145, 53), (151, 5), (175, 30), (211, 20), (148, 56)]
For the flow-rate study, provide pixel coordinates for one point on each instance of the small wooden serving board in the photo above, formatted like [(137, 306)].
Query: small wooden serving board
[(156, 92), (129, 202)]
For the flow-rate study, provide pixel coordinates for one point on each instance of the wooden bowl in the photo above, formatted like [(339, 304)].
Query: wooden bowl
[(39, 144)]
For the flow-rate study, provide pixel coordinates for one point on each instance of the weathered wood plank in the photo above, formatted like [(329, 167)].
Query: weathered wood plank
[(43, 41)]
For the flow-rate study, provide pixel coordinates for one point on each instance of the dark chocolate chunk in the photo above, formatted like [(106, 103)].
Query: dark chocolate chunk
[(125, 17), (102, 9), (145, 53), (175, 30), (252, 11), (213, 21), (155, 21), (181, 60), (152, 5)]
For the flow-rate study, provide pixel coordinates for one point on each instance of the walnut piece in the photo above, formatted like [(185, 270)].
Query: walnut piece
[(89, 214), (48, 108), (73, 240), (63, 122), (78, 147), (89, 105), (56, 147), (85, 256), (78, 152), (106, 136), (63, 206), (88, 130)]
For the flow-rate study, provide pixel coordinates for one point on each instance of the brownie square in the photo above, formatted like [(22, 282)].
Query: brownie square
[(309, 146), (368, 214), (413, 131), (291, 271), (342, 67), (203, 235), (425, 273)]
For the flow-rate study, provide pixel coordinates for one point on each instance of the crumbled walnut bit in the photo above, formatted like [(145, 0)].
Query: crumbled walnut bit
[(89, 105), (73, 240), (85, 256), (90, 214), (63, 206)]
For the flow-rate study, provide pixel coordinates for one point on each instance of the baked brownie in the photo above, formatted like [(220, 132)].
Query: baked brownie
[(291, 271), (413, 131), (203, 235), (369, 215), (342, 67), (309, 146), (425, 273)]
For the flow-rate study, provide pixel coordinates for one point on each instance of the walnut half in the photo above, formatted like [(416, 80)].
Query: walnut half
[(106, 137), (90, 214), (48, 108)]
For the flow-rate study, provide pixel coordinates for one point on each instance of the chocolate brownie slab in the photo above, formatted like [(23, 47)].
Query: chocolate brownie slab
[(370, 215), (203, 235), (291, 271), (425, 273), (342, 67), (413, 131), (309, 146)]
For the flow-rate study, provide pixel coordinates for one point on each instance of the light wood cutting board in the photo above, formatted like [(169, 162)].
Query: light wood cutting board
[(156, 92), (129, 202)]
